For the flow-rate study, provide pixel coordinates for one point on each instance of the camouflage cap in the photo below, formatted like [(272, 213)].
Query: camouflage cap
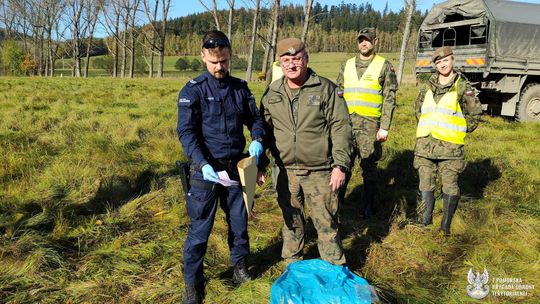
[(368, 32), (289, 46), (441, 53)]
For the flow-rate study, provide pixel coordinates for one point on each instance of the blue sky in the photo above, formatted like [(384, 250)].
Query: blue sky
[(187, 7)]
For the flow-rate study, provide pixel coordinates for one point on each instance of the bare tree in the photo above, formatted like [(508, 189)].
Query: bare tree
[(253, 36), (267, 43), (229, 26), (32, 15), (410, 4), (273, 41), (307, 16), (78, 29), (151, 13), (54, 9), (111, 22), (91, 16), (133, 17), (8, 15), (213, 11), (160, 29), (231, 12)]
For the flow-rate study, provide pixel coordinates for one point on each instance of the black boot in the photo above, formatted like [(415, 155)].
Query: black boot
[(450, 203), (370, 188), (191, 294), (240, 274), (428, 200)]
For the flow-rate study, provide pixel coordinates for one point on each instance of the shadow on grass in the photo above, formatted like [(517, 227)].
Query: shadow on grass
[(476, 177), (110, 195), (396, 193), (113, 194)]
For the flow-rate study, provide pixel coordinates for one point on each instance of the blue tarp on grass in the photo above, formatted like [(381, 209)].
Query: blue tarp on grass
[(316, 281)]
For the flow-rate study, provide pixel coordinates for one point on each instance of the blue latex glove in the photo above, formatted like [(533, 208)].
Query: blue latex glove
[(255, 149), (209, 174)]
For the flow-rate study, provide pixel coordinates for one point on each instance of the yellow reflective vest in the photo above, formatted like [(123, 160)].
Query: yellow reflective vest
[(364, 96), (277, 73), (443, 120)]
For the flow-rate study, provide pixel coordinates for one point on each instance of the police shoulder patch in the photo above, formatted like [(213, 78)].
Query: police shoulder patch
[(195, 81)]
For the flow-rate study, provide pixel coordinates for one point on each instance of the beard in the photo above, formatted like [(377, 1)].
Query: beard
[(366, 52), (220, 74)]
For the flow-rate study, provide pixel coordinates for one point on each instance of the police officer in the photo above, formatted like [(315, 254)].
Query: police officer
[(369, 86), (446, 111), (309, 136), (212, 110)]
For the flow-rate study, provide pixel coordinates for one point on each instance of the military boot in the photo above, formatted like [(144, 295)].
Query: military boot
[(370, 188), (428, 200), (191, 295), (450, 203), (240, 274)]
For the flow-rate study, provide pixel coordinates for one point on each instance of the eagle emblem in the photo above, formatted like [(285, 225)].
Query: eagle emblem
[(478, 287)]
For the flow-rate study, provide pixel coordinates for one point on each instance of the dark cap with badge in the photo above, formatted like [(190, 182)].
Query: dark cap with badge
[(289, 46), (369, 33), (441, 53)]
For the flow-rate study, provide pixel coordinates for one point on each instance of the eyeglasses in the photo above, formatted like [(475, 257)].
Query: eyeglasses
[(216, 42), (294, 60)]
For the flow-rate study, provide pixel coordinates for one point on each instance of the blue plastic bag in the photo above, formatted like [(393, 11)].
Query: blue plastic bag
[(316, 282)]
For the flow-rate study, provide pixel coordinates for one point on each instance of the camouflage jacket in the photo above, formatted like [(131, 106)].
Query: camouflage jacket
[(433, 148), (320, 137), (388, 81)]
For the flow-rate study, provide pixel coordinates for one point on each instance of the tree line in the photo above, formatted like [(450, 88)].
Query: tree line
[(37, 33)]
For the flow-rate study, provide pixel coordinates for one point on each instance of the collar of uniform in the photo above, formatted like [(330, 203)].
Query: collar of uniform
[(313, 79), (434, 81), (364, 62)]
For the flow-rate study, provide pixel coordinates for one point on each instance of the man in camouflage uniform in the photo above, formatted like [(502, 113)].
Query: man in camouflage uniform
[(368, 84), (309, 136), (446, 111)]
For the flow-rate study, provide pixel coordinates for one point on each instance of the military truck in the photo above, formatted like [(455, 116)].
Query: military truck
[(497, 47)]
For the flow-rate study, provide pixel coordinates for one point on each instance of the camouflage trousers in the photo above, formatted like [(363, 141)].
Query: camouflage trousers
[(296, 187), (366, 147), (448, 169)]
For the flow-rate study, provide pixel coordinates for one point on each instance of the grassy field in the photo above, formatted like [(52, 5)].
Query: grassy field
[(91, 209), (325, 64)]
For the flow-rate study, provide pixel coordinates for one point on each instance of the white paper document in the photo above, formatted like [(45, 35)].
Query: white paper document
[(225, 180)]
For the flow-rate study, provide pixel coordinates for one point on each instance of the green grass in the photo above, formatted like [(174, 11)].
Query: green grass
[(325, 64), (91, 208)]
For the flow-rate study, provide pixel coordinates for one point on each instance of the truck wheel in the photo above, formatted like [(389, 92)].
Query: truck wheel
[(529, 103)]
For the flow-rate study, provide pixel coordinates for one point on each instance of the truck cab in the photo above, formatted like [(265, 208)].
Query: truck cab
[(496, 45)]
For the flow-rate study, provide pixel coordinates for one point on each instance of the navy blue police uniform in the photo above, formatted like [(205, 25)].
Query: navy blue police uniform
[(211, 117)]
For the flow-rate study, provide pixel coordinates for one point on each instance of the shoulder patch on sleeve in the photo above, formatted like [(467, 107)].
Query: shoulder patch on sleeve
[(195, 81)]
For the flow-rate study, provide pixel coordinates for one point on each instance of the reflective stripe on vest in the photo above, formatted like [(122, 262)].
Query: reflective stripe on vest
[(364, 95), (277, 73), (443, 120)]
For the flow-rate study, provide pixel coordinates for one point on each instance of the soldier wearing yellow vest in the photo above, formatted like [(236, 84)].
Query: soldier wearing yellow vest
[(446, 111), (368, 84)]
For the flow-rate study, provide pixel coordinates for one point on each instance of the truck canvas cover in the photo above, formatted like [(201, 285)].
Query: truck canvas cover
[(513, 31)]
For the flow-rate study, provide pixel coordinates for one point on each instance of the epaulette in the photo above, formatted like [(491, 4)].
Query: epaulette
[(196, 80), (236, 79)]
